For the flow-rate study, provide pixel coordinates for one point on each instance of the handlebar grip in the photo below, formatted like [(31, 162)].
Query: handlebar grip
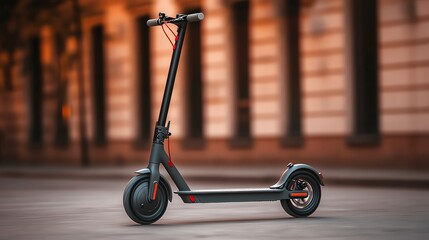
[(195, 17), (153, 22)]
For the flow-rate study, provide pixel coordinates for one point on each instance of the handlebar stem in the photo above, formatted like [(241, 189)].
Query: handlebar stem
[(168, 91)]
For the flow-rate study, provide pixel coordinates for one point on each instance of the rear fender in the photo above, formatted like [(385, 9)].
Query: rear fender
[(293, 168), (162, 181)]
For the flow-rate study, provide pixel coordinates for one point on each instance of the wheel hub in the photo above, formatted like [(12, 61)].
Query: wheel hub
[(141, 202), (302, 202), (301, 185)]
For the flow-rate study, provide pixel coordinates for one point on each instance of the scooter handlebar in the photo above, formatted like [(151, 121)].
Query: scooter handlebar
[(153, 22), (194, 17)]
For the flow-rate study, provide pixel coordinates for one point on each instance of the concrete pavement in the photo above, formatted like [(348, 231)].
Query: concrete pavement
[(66, 209)]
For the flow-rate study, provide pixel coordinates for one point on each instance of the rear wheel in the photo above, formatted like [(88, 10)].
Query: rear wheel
[(137, 204), (302, 207)]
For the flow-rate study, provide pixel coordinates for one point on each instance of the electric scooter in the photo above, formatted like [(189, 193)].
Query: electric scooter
[(146, 195)]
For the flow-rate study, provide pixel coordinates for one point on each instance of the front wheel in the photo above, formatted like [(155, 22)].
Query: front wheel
[(137, 204), (302, 207)]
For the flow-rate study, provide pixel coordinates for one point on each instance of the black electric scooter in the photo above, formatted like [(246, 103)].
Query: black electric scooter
[(146, 195)]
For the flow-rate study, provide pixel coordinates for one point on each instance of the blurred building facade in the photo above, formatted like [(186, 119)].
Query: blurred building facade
[(326, 82)]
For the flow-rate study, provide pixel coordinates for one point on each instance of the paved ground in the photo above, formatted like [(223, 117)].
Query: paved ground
[(92, 209)]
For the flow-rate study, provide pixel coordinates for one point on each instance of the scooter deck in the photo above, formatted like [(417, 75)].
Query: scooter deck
[(235, 195)]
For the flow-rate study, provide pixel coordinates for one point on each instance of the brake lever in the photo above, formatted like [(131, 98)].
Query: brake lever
[(164, 18)]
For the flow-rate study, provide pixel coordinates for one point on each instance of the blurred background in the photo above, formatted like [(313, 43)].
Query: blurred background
[(261, 82), (339, 84)]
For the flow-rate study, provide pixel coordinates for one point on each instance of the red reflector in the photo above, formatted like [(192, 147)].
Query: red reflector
[(155, 190), (298, 194), (192, 198)]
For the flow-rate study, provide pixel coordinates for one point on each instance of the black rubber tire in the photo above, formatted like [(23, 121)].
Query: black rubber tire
[(136, 203), (306, 211)]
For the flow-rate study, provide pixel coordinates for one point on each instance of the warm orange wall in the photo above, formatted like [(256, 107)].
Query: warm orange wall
[(404, 94)]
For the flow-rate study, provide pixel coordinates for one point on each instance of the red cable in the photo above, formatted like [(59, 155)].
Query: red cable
[(170, 30), (162, 26)]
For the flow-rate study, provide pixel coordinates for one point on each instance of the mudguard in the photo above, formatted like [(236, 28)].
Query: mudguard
[(295, 167), (163, 181)]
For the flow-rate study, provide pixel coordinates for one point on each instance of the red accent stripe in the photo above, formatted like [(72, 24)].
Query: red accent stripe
[(170, 163), (155, 190)]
